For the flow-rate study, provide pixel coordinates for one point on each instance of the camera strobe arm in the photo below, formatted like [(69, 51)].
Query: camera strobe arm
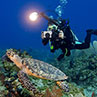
[(49, 19), (61, 26)]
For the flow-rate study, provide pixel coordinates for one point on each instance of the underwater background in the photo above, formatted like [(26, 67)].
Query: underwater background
[(18, 32)]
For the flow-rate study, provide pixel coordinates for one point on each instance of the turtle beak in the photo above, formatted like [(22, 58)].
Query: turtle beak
[(5, 58)]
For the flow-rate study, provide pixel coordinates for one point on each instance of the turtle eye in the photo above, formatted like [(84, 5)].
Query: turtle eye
[(8, 53), (12, 55)]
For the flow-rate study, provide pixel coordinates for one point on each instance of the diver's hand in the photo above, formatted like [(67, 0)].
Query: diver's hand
[(42, 35), (61, 34), (45, 41)]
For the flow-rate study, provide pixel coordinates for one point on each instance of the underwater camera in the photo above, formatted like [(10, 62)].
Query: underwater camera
[(46, 34)]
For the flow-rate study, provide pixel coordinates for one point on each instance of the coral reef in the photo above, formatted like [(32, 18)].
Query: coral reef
[(56, 92), (13, 88), (95, 46), (11, 82), (81, 68)]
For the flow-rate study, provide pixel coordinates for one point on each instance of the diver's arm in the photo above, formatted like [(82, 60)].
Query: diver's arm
[(45, 41)]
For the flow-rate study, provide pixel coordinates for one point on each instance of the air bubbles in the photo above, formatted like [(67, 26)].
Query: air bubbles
[(60, 7)]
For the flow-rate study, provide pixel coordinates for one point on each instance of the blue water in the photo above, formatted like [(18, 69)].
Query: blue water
[(17, 32)]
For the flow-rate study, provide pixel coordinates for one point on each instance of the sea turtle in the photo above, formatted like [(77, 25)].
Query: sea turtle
[(37, 68)]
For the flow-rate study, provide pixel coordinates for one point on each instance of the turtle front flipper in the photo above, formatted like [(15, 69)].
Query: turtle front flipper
[(23, 78), (63, 85)]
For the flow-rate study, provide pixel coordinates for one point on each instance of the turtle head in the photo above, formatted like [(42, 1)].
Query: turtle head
[(11, 54), (14, 57)]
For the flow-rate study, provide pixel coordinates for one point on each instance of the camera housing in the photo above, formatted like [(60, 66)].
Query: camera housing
[(46, 34)]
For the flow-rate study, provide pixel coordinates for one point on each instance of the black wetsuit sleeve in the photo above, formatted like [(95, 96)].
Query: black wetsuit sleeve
[(45, 41)]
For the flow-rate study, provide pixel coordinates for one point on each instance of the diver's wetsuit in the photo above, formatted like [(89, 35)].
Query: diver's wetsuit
[(68, 43), (84, 45)]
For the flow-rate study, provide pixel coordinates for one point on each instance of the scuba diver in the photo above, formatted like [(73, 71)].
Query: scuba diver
[(60, 36)]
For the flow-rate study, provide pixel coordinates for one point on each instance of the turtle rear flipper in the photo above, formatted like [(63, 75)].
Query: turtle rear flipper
[(63, 85), (23, 78)]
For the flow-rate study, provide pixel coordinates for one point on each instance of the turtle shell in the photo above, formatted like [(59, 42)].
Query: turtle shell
[(43, 70)]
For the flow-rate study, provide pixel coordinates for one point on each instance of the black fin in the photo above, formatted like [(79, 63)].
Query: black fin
[(95, 32), (91, 31)]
